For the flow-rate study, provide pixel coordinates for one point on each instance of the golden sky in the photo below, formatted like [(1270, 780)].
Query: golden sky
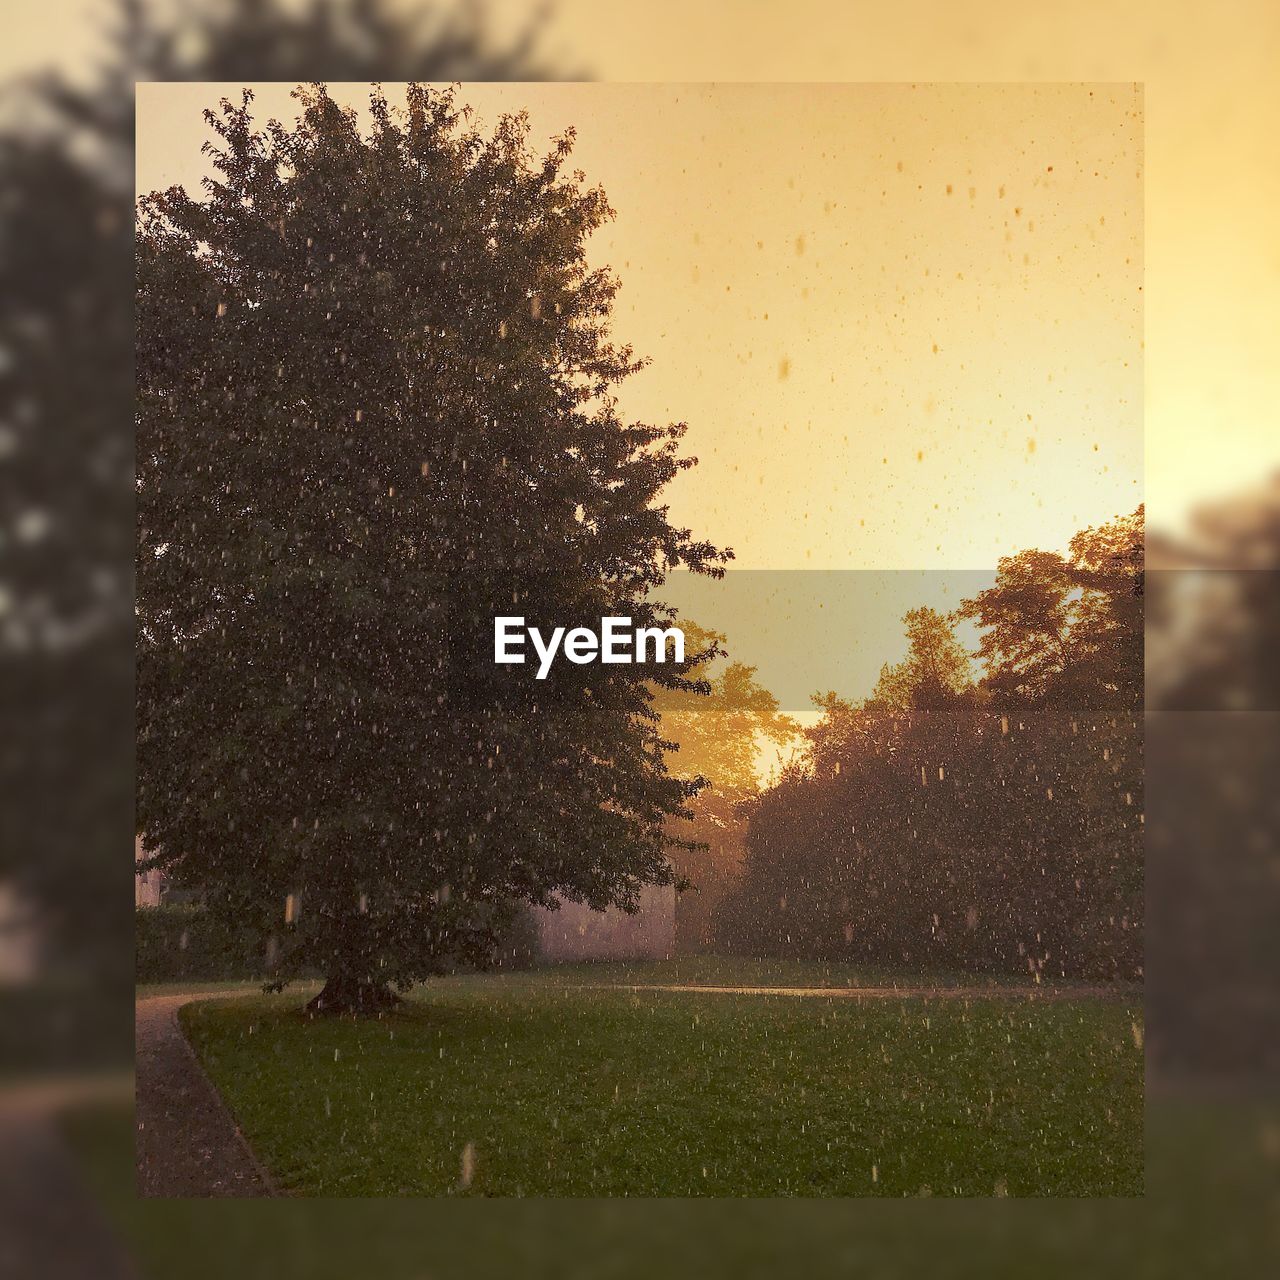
[(903, 322), (1212, 102)]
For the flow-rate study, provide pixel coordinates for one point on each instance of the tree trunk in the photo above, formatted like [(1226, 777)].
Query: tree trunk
[(344, 993)]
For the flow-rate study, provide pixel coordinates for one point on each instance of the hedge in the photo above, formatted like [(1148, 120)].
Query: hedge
[(175, 943)]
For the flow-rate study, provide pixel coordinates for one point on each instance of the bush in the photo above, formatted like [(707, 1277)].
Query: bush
[(179, 942), (954, 843), (176, 942)]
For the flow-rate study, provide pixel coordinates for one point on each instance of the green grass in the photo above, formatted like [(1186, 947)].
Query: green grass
[(565, 1092), (743, 971), (684, 970), (1208, 1211), (194, 986)]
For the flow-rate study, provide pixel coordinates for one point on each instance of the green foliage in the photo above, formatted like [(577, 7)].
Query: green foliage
[(376, 409), (518, 946), (191, 943), (718, 731), (995, 827), (564, 1092), (718, 735), (1066, 632), (934, 671), (174, 943)]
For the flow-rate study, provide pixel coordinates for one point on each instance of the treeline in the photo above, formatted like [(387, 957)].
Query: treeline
[(991, 824)]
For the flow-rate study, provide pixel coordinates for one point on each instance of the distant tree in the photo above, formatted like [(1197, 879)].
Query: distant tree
[(1106, 565), (989, 826), (1026, 619), (935, 676), (1067, 628), (935, 669), (720, 734), (376, 409), (719, 737)]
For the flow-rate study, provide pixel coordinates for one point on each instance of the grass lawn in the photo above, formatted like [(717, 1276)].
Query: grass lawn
[(248, 986), (712, 971), (537, 1088), (1209, 1210), (708, 971)]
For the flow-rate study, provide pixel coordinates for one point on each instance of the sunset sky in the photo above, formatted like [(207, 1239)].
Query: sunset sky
[(904, 323)]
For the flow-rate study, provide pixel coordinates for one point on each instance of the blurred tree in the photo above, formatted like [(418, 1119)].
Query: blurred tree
[(66, 507), (376, 410), (1213, 715)]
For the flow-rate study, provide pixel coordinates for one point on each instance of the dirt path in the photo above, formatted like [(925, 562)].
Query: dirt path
[(188, 1144), (876, 993)]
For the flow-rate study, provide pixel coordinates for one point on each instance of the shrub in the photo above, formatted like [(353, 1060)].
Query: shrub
[(175, 942)]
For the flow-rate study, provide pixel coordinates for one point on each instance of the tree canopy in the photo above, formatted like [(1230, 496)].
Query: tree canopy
[(376, 408), (1066, 630), (996, 824)]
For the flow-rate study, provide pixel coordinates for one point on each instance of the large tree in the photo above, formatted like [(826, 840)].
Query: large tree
[(376, 409)]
